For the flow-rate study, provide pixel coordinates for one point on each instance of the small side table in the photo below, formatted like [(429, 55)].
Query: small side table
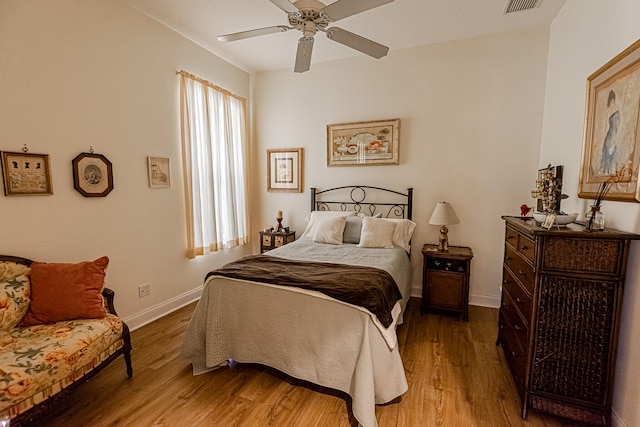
[(272, 239), (445, 279)]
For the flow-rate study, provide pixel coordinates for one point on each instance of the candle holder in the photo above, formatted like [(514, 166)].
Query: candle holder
[(279, 228)]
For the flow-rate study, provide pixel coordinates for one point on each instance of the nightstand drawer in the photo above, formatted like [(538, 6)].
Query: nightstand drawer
[(271, 240)]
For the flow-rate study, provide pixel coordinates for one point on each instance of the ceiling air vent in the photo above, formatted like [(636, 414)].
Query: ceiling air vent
[(518, 5)]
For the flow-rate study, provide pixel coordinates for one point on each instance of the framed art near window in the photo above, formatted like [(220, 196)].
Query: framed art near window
[(363, 143), (284, 170), (92, 175), (611, 150), (158, 168), (26, 174)]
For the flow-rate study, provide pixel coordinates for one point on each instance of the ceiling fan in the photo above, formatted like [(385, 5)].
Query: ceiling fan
[(310, 16)]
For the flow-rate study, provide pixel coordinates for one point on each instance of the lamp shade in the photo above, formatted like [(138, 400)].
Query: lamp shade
[(443, 214)]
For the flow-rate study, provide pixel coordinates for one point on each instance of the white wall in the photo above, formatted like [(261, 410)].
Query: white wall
[(471, 115), (584, 37), (81, 73)]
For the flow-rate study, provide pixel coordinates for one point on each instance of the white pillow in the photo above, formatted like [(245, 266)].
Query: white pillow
[(376, 233), (315, 216), (403, 232), (330, 230)]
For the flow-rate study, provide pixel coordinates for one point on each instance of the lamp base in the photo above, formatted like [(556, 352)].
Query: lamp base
[(443, 241)]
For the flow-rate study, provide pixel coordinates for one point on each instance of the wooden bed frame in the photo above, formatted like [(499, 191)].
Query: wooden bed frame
[(389, 203)]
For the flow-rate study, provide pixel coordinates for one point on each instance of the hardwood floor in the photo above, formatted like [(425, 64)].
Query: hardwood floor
[(457, 377)]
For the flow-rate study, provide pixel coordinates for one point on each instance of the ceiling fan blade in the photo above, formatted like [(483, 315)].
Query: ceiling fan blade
[(357, 42), (344, 8), (285, 5), (253, 33), (303, 57)]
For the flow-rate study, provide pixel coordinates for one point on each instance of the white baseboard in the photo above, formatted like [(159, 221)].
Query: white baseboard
[(157, 311), (484, 301)]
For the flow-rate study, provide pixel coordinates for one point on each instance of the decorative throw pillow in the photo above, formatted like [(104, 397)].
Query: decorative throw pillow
[(376, 233), (403, 232), (330, 230), (14, 293), (352, 230), (315, 216), (61, 291), (378, 215)]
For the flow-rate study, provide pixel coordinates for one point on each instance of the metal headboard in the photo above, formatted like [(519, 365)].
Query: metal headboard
[(390, 203)]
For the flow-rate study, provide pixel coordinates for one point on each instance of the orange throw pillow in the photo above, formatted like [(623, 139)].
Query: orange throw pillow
[(62, 291)]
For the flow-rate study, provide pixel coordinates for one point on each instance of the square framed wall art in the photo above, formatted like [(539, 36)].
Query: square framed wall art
[(284, 170), (26, 174), (159, 172)]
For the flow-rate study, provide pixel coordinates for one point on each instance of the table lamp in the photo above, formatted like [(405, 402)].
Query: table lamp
[(444, 215)]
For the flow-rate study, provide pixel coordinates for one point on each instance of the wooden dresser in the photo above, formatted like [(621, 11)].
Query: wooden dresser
[(559, 317)]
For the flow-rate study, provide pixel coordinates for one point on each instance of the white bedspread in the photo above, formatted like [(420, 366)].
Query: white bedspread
[(302, 333)]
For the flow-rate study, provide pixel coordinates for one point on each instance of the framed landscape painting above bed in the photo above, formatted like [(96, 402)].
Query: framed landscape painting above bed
[(363, 143)]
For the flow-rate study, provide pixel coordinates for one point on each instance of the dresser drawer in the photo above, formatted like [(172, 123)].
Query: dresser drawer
[(514, 353), (519, 296), (511, 237), (520, 329), (521, 269), (526, 247)]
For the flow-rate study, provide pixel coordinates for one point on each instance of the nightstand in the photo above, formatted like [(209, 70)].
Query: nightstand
[(272, 239), (445, 279)]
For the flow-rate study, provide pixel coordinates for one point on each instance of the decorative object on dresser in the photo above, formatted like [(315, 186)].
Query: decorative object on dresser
[(26, 173), (274, 239), (444, 215), (445, 279), (548, 193), (92, 174), (560, 314), (611, 144), (363, 143), (284, 170)]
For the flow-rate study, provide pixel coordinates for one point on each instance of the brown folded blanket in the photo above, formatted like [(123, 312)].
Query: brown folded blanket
[(367, 287)]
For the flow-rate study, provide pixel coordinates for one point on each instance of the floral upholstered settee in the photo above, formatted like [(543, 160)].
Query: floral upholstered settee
[(58, 326)]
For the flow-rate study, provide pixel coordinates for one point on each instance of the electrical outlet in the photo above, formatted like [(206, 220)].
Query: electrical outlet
[(144, 290)]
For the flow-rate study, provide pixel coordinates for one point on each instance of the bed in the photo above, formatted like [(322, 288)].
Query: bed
[(306, 333)]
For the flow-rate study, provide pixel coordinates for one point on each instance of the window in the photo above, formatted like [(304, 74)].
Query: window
[(214, 161)]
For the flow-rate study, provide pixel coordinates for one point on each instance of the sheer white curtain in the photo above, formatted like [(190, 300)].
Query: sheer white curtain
[(214, 158)]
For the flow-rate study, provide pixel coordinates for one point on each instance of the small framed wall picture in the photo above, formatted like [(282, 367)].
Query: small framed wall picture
[(26, 174), (284, 170), (92, 175), (159, 172)]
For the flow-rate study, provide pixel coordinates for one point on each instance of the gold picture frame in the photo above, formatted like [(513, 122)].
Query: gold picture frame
[(92, 175), (611, 150), (363, 143), (26, 174), (284, 170), (159, 171)]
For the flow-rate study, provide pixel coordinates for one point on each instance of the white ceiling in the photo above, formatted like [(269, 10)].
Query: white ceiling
[(398, 25)]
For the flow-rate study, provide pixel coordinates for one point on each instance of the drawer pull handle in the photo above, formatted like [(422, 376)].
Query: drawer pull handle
[(518, 300), (511, 237), (508, 258), (517, 327), (522, 273), (524, 247)]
